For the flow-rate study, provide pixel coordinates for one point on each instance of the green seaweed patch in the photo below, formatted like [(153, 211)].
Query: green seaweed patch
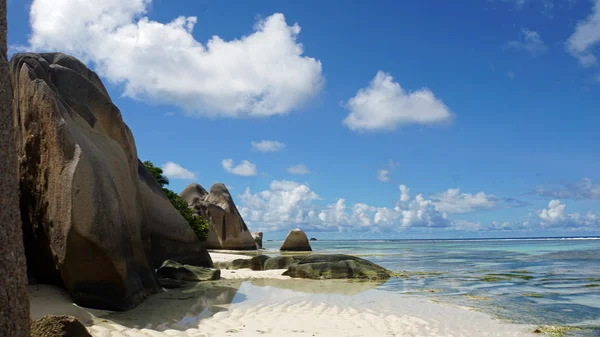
[(532, 295), (555, 330), (422, 274), (520, 272), (593, 279), (593, 285), (504, 277), (477, 298), (428, 290)]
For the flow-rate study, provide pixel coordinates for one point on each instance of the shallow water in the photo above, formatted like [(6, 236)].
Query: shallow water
[(535, 281)]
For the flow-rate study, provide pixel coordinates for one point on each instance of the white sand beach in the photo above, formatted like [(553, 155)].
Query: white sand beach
[(247, 303)]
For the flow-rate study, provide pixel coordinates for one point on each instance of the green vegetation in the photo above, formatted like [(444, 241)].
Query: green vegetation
[(594, 285), (504, 277), (533, 295), (477, 298), (198, 224)]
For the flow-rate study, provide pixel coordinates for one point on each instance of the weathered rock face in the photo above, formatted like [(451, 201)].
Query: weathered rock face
[(58, 326), (92, 220), (14, 303), (280, 262), (337, 266), (258, 237), (170, 234), (296, 240), (227, 228), (172, 274)]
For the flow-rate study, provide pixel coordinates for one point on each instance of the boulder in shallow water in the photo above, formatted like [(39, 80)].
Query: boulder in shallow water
[(258, 262), (58, 326), (172, 270), (239, 264), (337, 266), (258, 238), (280, 262), (227, 228), (296, 240)]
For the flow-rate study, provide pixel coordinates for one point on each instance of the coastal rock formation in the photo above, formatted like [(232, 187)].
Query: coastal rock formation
[(171, 236), (296, 240), (258, 262), (14, 303), (313, 239), (258, 237), (58, 326), (337, 266), (172, 274), (227, 228), (93, 222), (280, 262)]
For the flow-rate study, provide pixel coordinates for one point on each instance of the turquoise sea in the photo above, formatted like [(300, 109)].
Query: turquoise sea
[(545, 281)]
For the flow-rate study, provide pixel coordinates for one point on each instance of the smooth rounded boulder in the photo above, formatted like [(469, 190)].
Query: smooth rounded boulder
[(296, 241), (280, 262), (172, 274), (337, 266)]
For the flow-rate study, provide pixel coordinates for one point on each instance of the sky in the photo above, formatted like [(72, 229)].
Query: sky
[(373, 119)]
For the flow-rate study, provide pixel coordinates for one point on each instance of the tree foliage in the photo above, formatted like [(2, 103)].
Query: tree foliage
[(198, 224)]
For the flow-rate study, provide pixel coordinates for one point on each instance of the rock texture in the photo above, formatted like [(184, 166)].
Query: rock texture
[(258, 262), (14, 303), (280, 262), (58, 326), (337, 266), (258, 238), (170, 234), (92, 220), (296, 240), (227, 228), (172, 273)]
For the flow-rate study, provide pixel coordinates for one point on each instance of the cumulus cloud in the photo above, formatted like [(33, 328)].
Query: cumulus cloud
[(175, 171), (585, 189), (555, 215), (383, 175), (261, 74), (452, 201), (529, 41), (299, 169), (287, 204), (385, 106), (586, 37), (245, 168), (268, 146)]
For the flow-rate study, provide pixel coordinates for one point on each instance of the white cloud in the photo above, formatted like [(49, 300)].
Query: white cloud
[(586, 37), (530, 41), (261, 74), (268, 146), (556, 216), (299, 169), (452, 201), (175, 171), (245, 168), (464, 225), (585, 189), (383, 175), (385, 106), (288, 204)]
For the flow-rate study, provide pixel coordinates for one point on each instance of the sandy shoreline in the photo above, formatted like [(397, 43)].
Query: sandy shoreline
[(253, 303)]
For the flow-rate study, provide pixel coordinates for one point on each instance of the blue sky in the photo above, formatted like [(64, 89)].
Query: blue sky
[(381, 119)]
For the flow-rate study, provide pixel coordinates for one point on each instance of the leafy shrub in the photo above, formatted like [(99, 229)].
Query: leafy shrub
[(198, 224)]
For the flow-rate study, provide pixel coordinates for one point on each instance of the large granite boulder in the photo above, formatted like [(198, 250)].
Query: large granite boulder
[(14, 303), (92, 220), (280, 262), (337, 266), (227, 228), (258, 262), (171, 236), (296, 240), (258, 238), (58, 326)]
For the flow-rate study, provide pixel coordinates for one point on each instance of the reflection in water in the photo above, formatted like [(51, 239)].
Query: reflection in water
[(181, 308), (338, 287)]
